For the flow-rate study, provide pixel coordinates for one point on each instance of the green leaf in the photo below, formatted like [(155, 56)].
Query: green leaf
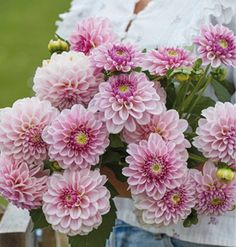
[(111, 157), (138, 69), (38, 218), (192, 219), (99, 236), (196, 158), (221, 92), (197, 63), (171, 96), (115, 141), (203, 103), (229, 86)]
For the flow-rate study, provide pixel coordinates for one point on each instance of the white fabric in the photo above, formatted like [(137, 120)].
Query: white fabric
[(163, 23), (118, 12)]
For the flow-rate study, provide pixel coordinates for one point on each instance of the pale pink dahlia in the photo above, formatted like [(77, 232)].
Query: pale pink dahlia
[(160, 91), (174, 206), (116, 57), (90, 33), (66, 79), (167, 125), (20, 185), (217, 133), (217, 45), (126, 100), (154, 167), (214, 197), (21, 127), (76, 138), (75, 201), (159, 61)]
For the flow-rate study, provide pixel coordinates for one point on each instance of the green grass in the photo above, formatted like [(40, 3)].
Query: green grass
[(26, 26)]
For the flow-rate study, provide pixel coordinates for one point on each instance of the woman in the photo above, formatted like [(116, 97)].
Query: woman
[(152, 24)]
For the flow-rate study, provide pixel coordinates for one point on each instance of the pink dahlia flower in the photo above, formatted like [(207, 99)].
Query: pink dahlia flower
[(66, 79), (90, 33), (174, 206), (217, 132), (126, 100), (20, 185), (160, 61), (167, 125), (116, 57), (76, 138), (160, 91), (75, 201), (214, 197), (21, 127), (154, 167), (217, 45)]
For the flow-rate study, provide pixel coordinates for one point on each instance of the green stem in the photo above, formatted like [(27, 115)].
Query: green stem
[(197, 87), (197, 158), (209, 79)]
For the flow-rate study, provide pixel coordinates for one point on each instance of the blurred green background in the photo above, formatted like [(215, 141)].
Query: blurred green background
[(26, 26)]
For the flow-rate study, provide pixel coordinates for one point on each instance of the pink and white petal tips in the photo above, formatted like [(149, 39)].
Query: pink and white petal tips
[(125, 101), (217, 45), (117, 57), (216, 133), (76, 138), (160, 91), (214, 197), (173, 207), (66, 79), (75, 201), (167, 125), (20, 185), (154, 167), (158, 62), (21, 128), (90, 33)]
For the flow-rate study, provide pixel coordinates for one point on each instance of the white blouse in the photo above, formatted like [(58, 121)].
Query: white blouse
[(163, 23)]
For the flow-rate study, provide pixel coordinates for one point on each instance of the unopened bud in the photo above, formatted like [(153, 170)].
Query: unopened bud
[(225, 174), (219, 74), (58, 46), (181, 77)]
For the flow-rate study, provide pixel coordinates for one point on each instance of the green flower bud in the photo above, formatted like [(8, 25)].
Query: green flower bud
[(219, 73), (187, 222), (194, 220), (197, 74), (225, 174), (181, 77), (58, 46)]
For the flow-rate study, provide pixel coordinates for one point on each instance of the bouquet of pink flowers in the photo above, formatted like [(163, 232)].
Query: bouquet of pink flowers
[(144, 115)]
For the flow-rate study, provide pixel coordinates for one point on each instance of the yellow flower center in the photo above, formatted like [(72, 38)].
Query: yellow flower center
[(172, 53), (223, 43), (120, 53), (176, 198), (36, 138), (68, 198), (156, 168), (158, 131), (216, 201), (81, 138), (123, 88)]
